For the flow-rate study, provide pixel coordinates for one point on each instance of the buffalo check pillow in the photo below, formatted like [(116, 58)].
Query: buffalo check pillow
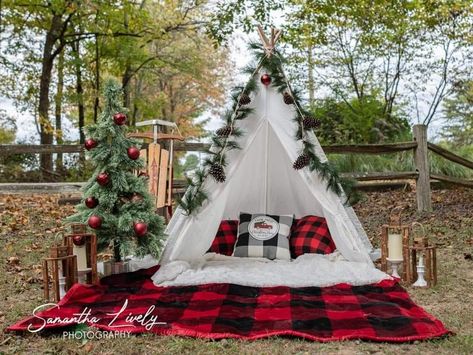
[(310, 234), (225, 239), (262, 235)]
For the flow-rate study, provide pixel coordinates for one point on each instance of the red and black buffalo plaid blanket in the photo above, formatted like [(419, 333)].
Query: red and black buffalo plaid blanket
[(131, 302)]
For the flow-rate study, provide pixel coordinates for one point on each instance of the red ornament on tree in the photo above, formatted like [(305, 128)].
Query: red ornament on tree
[(140, 229), (103, 179), (95, 222), (133, 153), (90, 144), (265, 79), (119, 118), (91, 202), (78, 240)]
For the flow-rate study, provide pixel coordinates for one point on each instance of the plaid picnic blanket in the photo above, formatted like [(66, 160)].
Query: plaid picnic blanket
[(131, 302)]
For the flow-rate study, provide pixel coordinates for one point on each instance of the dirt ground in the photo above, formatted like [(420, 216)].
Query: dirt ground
[(29, 224)]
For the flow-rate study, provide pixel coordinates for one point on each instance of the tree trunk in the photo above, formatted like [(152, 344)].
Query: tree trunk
[(58, 110), (126, 86), (311, 84), (137, 94), (46, 129), (97, 79), (128, 72), (79, 90)]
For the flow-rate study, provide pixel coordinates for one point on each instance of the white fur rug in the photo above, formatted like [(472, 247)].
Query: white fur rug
[(306, 270)]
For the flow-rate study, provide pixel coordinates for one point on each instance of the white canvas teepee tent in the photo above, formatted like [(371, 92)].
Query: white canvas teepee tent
[(261, 179)]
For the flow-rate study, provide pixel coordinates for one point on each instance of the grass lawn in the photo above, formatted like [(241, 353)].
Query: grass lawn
[(29, 223)]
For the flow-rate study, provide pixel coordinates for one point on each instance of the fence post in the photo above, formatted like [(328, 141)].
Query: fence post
[(421, 160)]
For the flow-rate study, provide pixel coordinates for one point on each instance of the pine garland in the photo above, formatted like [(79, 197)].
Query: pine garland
[(221, 143)]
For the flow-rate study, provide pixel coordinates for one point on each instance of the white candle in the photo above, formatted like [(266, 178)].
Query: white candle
[(395, 246), (80, 252), (421, 261)]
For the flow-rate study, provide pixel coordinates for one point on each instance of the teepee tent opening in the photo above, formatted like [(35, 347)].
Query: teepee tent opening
[(261, 179)]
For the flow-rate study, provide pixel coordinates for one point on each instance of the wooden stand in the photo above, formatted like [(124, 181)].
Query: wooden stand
[(60, 258), (430, 257)]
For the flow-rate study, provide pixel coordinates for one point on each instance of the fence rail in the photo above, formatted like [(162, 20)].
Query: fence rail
[(420, 147), (12, 149), (450, 156)]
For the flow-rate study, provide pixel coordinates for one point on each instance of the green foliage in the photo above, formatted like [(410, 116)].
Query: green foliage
[(406, 54), (7, 128), (459, 116), (117, 207), (191, 162), (358, 121)]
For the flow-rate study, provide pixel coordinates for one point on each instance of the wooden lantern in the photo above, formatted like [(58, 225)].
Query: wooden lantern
[(420, 246), (395, 243), (62, 266), (430, 256), (84, 246)]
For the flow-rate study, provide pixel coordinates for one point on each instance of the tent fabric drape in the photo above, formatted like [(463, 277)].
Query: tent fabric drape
[(261, 179)]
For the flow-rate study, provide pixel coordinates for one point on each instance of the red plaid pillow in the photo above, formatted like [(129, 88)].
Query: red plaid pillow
[(310, 234), (224, 241)]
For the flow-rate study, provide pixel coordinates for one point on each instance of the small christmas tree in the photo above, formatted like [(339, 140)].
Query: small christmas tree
[(116, 202)]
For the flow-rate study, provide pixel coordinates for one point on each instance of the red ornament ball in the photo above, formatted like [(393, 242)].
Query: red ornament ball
[(265, 79), (91, 202), (140, 229), (78, 240), (103, 179), (95, 222), (90, 144), (119, 118), (133, 153)]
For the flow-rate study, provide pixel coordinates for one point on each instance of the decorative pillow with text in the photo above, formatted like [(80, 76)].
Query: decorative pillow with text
[(262, 235)]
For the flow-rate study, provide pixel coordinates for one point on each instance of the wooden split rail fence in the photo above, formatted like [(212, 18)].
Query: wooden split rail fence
[(420, 147)]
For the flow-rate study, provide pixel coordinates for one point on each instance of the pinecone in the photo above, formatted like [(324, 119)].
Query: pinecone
[(244, 99), (301, 161), (288, 99), (224, 131), (310, 122), (217, 171)]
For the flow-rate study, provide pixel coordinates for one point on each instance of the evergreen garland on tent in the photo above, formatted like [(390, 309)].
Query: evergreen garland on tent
[(224, 138)]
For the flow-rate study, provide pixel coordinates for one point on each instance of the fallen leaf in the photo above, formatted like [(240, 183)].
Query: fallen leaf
[(13, 260)]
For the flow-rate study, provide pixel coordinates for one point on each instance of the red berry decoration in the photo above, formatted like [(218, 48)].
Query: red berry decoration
[(91, 202), (119, 118), (95, 222), (265, 79), (90, 144), (78, 240), (103, 179), (133, 153), (140, 229)]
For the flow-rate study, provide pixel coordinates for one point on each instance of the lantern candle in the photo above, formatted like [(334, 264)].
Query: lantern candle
[(80, 252), (394, 246)]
